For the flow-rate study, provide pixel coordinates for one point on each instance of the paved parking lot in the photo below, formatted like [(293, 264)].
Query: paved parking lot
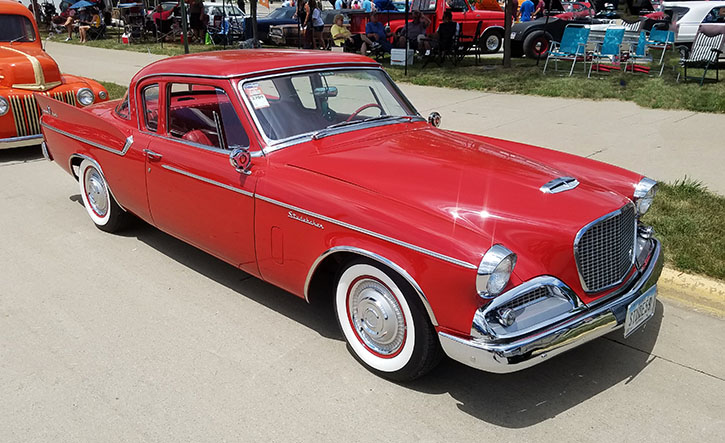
[(139, 337)]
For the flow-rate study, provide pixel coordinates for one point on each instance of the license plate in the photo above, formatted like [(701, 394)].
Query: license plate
[(640, 310)]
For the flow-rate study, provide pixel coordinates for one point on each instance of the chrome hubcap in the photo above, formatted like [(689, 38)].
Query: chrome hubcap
[(376, 316), (95, 188), (492, 42)]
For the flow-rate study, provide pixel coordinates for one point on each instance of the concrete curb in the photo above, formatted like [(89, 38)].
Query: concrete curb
[(700, 293)]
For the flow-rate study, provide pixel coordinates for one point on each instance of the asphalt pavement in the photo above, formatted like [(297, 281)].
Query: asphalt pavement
[(662, 144)]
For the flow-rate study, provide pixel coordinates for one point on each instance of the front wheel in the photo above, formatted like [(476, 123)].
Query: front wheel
[(384, 322), (106, 214), (491, 42)]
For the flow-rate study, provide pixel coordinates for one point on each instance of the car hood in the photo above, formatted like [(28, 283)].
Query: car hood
[(28, 67), (478, 192)]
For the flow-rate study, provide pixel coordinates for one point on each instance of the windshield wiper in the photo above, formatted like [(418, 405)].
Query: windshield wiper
[(327, 130)]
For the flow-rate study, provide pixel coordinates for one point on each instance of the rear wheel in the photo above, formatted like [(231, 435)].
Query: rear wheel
[(384, 322), (536, 44), (106, 214), (491, 42)]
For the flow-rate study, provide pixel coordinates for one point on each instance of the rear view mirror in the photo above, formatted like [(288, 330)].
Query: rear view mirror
[(325, 92)]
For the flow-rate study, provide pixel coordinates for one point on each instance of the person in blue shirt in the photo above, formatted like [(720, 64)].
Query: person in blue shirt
[(367, 5), (527, 10), (384, 5), (338, 4), (375, 31)]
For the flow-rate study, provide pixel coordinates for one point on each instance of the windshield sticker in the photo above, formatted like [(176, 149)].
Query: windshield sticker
[(256, 96)]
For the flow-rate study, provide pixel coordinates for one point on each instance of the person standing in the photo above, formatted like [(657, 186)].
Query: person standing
[(540, 7), (196, 8), (526, 11)]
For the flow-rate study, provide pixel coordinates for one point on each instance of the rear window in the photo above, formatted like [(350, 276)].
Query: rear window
[(16, 28)]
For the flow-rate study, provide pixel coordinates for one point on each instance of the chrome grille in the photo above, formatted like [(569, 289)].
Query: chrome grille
[(535, 294), (27, 114), (604, 249)]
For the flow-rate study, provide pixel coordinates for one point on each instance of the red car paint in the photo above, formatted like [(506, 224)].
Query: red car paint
[(417, 187)]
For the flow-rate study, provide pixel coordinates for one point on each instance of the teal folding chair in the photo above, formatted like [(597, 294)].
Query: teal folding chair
[(661, 39), (610, 49), (639, 53), (572, 47)]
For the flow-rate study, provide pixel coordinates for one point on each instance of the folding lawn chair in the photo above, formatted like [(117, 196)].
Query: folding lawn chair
[(704, 54), (469, 44), (572, 47), (610, 49), (638, 53), (662, 39)]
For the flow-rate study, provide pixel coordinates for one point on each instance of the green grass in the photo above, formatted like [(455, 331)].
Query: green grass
[(151, 47), (526, 78), (115, 91), (690, 221)]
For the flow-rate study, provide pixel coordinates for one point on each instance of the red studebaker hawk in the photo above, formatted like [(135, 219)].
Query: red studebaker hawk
[(312, 171)]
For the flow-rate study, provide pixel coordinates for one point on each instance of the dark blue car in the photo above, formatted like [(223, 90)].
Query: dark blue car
[(280, 16)]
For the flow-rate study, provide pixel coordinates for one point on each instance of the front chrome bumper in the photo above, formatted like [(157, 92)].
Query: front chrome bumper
[(17, 142), (538, 346)]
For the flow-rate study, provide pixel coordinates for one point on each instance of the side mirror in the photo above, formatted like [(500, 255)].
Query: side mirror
[(434, 119), (241, 160)]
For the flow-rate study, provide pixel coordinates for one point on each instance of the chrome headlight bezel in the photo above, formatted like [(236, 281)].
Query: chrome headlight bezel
[(644, 194), (85, 96), (494, 271), (4, 106)]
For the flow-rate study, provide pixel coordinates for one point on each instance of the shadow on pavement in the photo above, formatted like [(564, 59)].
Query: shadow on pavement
[(516, 400), (20, 155)]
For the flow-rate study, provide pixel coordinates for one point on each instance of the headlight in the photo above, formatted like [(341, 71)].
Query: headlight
[(4, 106), (85, 96), (103, 95), (644, 194), (494, 271)]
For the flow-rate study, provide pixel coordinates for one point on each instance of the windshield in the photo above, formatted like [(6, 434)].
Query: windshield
[(292, 105), (280, 12), (16, 28)]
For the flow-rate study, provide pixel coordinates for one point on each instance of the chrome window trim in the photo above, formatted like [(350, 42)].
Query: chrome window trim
[(586, 227), (379, 258), (394, 241), (275, 145), (207, 180), (122, 152)]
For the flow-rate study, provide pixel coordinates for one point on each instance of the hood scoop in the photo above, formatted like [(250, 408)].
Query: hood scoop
[(560, 184)]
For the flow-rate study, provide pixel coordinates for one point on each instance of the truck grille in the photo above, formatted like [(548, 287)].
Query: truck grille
[(27, 114), (604, 249)]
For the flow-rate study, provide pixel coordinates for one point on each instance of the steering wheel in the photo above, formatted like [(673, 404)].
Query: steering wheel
[(364, 107)]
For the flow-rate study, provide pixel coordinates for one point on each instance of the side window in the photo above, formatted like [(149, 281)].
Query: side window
[(150, 96), (716, 15), (122, 110), (203, 115), (303, 87)]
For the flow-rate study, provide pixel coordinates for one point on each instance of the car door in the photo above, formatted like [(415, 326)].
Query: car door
[(194, 193)]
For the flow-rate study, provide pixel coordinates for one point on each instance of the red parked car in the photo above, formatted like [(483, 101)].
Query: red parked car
[(312, 171), (25, 69)]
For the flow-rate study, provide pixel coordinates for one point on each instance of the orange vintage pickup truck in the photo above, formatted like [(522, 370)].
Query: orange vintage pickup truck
[(26, 69)]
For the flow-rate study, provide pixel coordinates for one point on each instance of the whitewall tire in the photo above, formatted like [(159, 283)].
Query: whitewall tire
[(384, 322), (102, 208)]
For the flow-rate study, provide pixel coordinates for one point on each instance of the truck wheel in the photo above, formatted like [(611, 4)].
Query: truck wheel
[(536, 44), (384, 323), (491, 42)]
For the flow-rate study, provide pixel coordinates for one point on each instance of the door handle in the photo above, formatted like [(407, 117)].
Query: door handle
[(152, 155)]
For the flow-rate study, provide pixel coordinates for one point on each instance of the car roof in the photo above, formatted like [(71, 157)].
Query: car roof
[(246, 62), (13, 7)]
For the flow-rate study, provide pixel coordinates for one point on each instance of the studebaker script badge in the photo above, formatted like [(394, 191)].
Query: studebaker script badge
[(49, 111), (304, 219)]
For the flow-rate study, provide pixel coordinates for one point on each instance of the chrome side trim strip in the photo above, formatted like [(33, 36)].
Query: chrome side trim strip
[(16, 142), (392, 265), (455, 261), (207, 180), (88, 142)]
